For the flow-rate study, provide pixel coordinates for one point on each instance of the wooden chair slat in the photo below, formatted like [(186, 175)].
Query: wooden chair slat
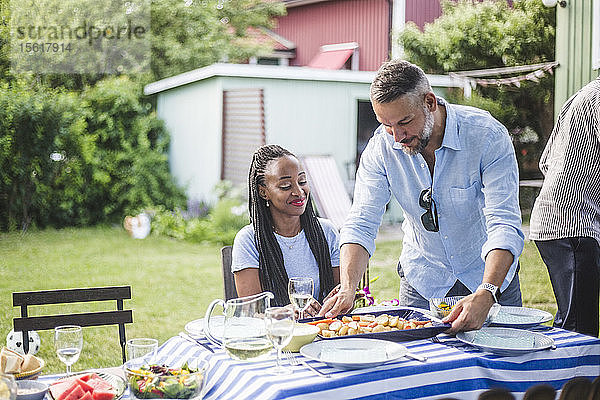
[(43, 297)]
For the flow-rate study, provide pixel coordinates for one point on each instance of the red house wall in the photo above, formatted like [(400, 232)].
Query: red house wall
[(366, 22), (422, 11)]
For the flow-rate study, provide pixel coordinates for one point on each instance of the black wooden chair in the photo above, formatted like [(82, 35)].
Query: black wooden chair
[(118, 317), (228, 280)]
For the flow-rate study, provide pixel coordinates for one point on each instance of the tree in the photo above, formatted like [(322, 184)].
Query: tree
[(191, 34), (477, 35)]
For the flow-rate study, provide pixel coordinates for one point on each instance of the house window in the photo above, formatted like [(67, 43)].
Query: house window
[(596, 35)]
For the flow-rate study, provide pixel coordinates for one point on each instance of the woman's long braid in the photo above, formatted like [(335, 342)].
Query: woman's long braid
[(272, 273)]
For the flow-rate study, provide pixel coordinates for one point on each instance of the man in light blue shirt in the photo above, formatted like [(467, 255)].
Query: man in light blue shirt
[(454, 172)]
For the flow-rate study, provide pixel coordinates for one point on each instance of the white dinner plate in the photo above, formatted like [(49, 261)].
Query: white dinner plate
[(506, 341), (353, 353), (196, 327), (519, 317)]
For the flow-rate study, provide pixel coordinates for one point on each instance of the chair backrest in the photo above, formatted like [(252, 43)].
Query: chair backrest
[(228, 281), (119, 317), (327, 188)]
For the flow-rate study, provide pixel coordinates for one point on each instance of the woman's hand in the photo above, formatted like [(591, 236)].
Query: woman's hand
[(313, 309)]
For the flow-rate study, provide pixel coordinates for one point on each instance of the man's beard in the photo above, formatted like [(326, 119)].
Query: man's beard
[(425, 135)]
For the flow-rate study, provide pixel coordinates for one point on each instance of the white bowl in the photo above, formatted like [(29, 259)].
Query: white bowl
[(303, 334), (31, 390)]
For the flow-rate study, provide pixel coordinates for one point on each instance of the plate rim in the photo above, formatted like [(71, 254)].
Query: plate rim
[(506, 350), (356, 365), (118, 395), (199, 321), (547, 317)]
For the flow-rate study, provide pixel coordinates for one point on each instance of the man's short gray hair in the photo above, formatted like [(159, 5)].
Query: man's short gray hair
[(398, 78)]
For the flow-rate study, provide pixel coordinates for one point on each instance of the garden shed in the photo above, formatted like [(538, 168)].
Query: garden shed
[(218, 115)]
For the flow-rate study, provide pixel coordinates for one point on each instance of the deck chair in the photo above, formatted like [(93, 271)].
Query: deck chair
[(329, 193), (118, 317), (228, 280)]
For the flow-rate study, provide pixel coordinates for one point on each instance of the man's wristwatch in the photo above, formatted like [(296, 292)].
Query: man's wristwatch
[(493, 289)]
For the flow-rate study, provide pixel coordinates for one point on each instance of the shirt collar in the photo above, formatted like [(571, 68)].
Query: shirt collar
[(451, 139)]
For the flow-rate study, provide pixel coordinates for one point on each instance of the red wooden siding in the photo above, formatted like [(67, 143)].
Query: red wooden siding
[(422, 11), (366, 22)]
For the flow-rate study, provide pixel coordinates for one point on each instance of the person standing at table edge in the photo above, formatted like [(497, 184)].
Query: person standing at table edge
[(565, 221), (285, 238), (454, 172)]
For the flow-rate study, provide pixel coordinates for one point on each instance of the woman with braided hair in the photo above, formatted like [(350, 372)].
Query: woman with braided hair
[(285, 238)]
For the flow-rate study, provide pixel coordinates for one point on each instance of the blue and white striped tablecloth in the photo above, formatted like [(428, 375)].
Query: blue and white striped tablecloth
[(452, 370)]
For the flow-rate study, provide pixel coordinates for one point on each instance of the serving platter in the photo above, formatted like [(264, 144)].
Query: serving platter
[(519, 317), (506, 341), (118, 383), (196, 327), (353, 353), (396, 335)]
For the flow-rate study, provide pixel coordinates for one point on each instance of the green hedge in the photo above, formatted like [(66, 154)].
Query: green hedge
[(72, 159)]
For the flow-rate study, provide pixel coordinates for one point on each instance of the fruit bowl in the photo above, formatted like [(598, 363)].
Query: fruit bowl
[(164, 382)]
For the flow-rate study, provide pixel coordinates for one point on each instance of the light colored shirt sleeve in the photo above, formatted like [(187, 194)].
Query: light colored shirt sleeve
[(333, 241), (244, 253), (500, 180)]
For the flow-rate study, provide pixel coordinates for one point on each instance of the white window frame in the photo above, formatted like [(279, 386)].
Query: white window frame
[(596, 35)]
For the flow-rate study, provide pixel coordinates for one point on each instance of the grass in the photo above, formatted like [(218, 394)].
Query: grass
[(172, 282)]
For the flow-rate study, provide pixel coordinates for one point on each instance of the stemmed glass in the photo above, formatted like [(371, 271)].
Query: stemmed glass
[(68, 341), (279, 323), (300, 291)]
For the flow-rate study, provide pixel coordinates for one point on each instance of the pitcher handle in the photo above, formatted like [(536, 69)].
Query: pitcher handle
[(207, 331)]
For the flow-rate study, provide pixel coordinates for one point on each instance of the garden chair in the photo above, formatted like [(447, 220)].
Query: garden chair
[(118, 317), (228, 280)]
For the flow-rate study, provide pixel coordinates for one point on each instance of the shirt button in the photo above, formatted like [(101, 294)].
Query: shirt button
[(445, 237), (422, 165), (451, 256)]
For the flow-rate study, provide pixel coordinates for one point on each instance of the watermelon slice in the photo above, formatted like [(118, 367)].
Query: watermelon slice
[(99, 384), (87, 396), (88, 376), (75, 394), (61, 389), (84, 385), (102, 395)]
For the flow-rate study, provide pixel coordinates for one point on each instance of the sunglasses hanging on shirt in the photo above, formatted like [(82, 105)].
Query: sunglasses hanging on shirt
[(430, 217)]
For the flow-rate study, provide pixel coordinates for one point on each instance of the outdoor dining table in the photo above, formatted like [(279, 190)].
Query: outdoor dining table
[(452, 369)]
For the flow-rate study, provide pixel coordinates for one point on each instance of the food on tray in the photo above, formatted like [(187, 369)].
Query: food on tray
[(12, 362), (161, 382), (366, 323), (88, 386)]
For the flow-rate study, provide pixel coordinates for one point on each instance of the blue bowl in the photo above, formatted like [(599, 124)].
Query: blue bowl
[(31, 390)]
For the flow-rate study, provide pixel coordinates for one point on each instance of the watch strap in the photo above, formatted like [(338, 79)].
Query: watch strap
[(493, 289)]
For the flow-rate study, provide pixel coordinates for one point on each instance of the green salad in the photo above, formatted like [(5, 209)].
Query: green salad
[(161, 382)]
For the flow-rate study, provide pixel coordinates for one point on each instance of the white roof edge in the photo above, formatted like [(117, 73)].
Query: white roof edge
[(280, 72)]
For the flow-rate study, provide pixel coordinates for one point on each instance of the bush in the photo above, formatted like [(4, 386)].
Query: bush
[(68, 159), (220, 226)]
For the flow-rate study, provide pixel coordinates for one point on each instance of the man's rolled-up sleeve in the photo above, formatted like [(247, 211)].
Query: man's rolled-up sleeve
[(371, 194), (500, 178)]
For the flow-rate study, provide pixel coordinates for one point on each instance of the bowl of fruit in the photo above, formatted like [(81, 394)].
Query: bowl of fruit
[(163, 382)]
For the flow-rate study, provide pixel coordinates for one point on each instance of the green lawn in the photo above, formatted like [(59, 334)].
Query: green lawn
[(172, 282)]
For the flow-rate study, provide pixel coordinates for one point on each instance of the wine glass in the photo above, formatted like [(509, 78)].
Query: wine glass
[(300, 291), (279, 323), (141, 351), (68, 341)]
